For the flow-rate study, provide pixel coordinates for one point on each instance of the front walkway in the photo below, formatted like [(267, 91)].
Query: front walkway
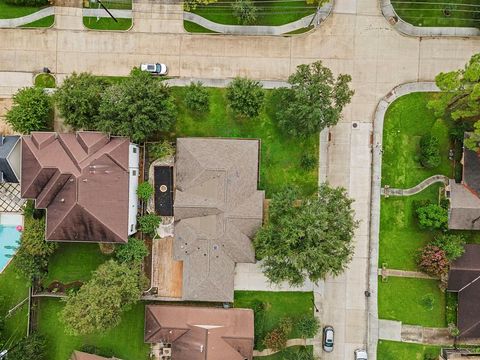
[(387, 191), (403, 273), (396, 331)]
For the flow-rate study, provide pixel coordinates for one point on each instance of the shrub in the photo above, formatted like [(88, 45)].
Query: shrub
[(259, 312), (432, 216), (148, 224), (33, 238), (245, 96), (30, 266), (30, 347), (308, 326), (429, 151), (286, 325), (132, 252), (276, 340), (245, 11), (145, 191), (32, 111), (308, 161), (197, 97), (453, 245), (161, 150), (433, 261)]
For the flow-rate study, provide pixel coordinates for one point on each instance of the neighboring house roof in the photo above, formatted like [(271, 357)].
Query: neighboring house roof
[(78, 355), (82, 180), (464, 278), (199, 333), (217, 211), (8, 172)]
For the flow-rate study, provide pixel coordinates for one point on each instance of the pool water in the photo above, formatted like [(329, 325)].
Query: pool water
[(9, 242)]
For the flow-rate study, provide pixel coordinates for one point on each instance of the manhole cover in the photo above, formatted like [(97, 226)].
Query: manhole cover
[(163, 188)]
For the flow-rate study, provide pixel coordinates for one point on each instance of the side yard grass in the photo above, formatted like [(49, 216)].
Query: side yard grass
[(74, 261), (125, 341), (392, 350), (13, 289), (426, 13), (280, 156)]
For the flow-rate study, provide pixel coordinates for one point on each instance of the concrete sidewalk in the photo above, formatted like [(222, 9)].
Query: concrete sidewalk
[(16, 22)]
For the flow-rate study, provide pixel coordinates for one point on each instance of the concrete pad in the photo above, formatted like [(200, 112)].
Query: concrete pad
[(390, 330)]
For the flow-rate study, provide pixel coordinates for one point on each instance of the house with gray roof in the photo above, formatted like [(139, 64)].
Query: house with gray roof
[(10, 159), (217, 211), (464, 211)]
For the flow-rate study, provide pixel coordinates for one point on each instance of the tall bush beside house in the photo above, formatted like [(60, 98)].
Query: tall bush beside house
[(197, 97), (145, 191), (149, 223), (451, 244), (31, 111), (432, 217), (78, 100), (160, 150), (245, 97), (429, 151), (132, 252), (99, 304)]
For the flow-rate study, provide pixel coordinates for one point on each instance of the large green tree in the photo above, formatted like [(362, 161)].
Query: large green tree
[(309, 238), (78, 100), (99, 304), (460, 92), (32, 111), (138, 107), (314, 101), (245, 96)]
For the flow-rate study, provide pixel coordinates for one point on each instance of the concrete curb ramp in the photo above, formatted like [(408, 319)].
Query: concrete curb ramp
[(313, 19), (378, 120), (406, 28), (16, 22)]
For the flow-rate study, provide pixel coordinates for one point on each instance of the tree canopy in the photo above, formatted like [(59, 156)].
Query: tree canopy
[(78, 100), (138, 107), (32, 111), (245, 96), (309, 238), (132, 252), (99, 304), (31, 347), (314, 101)]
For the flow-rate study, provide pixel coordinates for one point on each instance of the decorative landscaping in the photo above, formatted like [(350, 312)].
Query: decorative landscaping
[(392, 350), (412, 301), (124, 341), (281, 154), (426, 13)]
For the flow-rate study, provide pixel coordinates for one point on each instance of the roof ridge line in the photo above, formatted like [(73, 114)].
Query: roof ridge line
[(470, 283)]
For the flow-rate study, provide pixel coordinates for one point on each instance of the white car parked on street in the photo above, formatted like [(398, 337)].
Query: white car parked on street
[(360, 354), (155, 69)]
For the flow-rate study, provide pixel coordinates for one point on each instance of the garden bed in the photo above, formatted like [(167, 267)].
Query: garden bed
[(412, 301), (428, 13), (125, 341)]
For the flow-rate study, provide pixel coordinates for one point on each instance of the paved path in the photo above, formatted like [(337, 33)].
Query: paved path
[(11, 23), (120, 14), (387, 191), (314, 19), (396, 331), (411, 30), (385, 273)]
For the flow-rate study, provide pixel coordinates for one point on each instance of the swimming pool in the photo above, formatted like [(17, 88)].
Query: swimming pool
[(9, 241)]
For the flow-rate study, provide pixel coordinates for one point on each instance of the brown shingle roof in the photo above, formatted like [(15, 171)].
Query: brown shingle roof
[(199, 333), (82, 180), (217, 210), (78, 355), (464, 278)]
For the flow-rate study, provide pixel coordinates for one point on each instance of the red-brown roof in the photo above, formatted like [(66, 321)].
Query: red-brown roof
[(82, 180), (199, 333)]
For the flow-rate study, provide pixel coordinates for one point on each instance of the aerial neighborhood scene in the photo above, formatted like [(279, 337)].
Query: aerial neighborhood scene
[(239, 180)]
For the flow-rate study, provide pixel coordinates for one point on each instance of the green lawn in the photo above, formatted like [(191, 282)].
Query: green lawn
[(280, 155), (13, 289), (275, 12), (461, 13), (287, 353), (111, 4), (45, 80), (406, 120), (392, 350), (280, 304), (107, 23), (8, 11), (125, 341), (74, 261), (195, 28), (45, 22), (400, 236), (411, 301)]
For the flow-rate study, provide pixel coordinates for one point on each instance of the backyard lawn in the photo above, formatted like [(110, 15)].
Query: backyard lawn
[(13, 290), (125, 341), (458, 13), (280, 155), (273, 12), (74, 261), (406, 120), (411, 301), (279, 305), (392, 350)]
